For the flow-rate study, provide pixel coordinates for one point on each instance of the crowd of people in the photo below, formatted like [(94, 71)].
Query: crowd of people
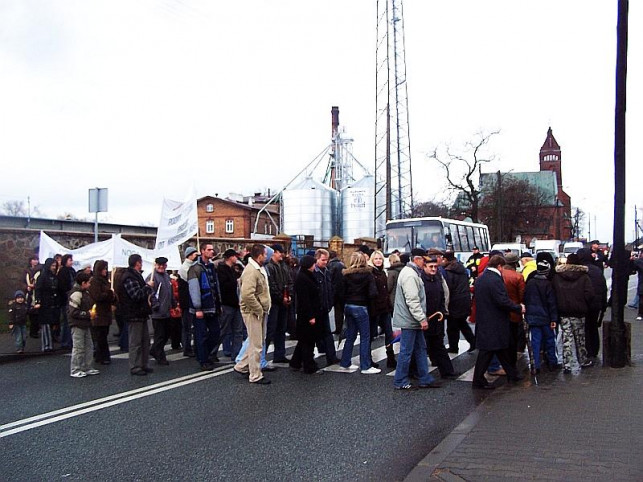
[(238, 304)]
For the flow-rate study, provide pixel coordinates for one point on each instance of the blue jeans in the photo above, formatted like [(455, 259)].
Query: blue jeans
[(206, 334), (276, 330), (65, 331), (356, 320), (543, 334), (495, 365), (20, 336), (231, 330), (412, 343)]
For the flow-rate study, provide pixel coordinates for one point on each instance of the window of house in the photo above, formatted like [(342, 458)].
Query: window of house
[(229, 226), (209, 208), (209, 227)]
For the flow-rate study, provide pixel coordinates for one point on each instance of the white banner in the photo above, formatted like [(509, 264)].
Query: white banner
[(115, 251), (179, 222), (83, 256)]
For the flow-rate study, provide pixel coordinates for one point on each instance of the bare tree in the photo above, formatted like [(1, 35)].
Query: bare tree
[(578, 222), (14, 208), (431, 208), (511, 206), (462, 171)]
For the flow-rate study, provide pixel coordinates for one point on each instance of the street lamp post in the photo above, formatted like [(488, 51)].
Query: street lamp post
[(617, 338)]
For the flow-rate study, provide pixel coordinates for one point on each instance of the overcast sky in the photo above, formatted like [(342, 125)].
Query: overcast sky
[(150, 97)]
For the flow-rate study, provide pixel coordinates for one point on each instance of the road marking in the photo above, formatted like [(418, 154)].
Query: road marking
[(99, 404)]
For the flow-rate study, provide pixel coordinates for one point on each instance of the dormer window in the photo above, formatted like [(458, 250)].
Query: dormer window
[(209, 208)]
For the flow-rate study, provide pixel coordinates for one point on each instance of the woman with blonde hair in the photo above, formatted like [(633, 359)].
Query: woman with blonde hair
[(358, 288)]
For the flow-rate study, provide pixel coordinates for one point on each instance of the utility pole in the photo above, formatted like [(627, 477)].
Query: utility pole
[(617, 338)]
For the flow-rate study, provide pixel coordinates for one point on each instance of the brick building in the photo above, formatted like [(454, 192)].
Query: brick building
[(226, 218), (554, 210)]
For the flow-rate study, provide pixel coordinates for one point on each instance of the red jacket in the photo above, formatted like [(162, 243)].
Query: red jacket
[(515, 284)]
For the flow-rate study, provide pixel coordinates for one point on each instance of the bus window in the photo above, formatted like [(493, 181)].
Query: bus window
[(477, 237), (470, 238), (430, 235), (456, 238)]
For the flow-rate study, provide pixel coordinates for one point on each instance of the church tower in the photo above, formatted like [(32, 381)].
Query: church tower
[(550, 157)]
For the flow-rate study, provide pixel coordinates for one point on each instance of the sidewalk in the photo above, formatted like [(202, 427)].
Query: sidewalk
[(584, 426)]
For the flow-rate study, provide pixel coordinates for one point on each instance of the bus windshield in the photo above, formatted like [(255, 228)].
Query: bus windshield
[(430, 235), (423, 234)]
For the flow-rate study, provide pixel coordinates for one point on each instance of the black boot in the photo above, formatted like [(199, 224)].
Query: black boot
[(391, 362)]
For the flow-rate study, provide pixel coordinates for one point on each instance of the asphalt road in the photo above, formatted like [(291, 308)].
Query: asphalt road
[(334, 426)]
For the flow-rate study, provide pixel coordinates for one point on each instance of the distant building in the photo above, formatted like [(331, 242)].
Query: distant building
[(553, 211), (232, 218)]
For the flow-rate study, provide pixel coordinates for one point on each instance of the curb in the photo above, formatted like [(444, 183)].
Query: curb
[(425, 469)]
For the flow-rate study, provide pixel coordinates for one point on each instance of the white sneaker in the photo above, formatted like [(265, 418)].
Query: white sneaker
[(347, 369), (371, 371), (78, 374), (93, 371)]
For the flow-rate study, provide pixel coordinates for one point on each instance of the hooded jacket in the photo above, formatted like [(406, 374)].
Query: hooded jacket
[(47, 288), (79, 306), (574, 291), (596, 277), (381, 303), (540, 301), (101, 292), (358, 286), (457, 280)]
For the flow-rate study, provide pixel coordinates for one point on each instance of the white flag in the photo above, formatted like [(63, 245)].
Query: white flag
[(179, 222)]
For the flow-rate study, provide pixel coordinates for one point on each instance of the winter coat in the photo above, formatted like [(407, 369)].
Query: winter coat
[(203, 284), (391, 280), (515, 284), (637, 266), (47, 287), (335, 268), (596, 276), (163, 298), (78, 308), (528, 268), (492, 311), (18, 313), (325, 287), (574, 291), (228, 285), (381, 303), (134, 306), (410, 299), (358, 286), (255, 293), (460, 295), (308, 306), (279, 281), (435, 301), (66, 280), (540, 301), (101, 292)]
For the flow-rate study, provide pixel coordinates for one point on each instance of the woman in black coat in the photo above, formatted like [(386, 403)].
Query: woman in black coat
[(308, 311), (459, 303), (48, 297)]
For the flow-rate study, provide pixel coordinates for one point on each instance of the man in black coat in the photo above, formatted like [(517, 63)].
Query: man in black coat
[(492, 323), (459, 303), (599, 303)]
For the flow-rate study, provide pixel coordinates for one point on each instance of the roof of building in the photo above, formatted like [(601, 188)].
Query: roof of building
[(550, 142), (272, 209), (545, 181)]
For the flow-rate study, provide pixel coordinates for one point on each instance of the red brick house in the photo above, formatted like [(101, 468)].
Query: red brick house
[(225, 218)]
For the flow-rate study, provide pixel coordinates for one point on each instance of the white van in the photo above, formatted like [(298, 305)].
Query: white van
[(569, 248), (552, 246), (516, 248)]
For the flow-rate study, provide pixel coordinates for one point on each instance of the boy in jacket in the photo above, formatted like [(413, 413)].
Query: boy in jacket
[(18, 310), (541, 313), (80, 314)]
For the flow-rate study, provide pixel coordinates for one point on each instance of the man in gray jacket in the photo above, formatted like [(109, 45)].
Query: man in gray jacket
[(162, 300), (409, 314)]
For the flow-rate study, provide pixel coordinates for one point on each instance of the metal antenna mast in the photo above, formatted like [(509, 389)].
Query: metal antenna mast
[(393, 180)]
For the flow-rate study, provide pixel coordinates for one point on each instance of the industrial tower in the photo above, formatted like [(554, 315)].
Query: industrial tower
[(393, 181)]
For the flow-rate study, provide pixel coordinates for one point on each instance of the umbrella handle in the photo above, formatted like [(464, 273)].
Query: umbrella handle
[(438, 314)]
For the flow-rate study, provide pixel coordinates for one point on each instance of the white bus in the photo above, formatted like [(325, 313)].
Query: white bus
[(436, 232)]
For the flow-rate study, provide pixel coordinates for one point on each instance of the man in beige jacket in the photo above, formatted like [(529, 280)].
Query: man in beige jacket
[(255, 305)]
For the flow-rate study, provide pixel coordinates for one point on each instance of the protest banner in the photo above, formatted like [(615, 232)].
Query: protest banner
[(179, 222)]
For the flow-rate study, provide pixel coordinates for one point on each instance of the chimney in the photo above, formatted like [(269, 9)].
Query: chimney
[(334, 111)]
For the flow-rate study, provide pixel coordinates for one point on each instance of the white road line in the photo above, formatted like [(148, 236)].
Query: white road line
[(92, 405)]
